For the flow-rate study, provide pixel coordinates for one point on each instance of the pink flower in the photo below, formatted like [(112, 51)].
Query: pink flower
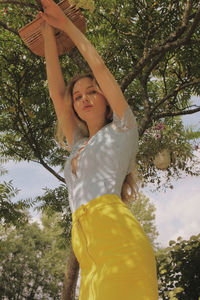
[(146, 132), (157, 136), (159, 126)]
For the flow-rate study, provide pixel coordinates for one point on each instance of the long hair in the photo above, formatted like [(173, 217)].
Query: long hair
[(129, 187)]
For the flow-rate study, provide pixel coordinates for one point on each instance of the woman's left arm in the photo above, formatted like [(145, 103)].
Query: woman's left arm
[(55, 17)]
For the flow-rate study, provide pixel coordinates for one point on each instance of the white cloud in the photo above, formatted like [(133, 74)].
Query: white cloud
[(30, 178), (177, 211)]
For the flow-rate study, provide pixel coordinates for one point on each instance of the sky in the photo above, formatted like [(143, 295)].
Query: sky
[(177, 210)]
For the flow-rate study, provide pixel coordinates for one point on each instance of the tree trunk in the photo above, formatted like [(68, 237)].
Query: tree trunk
[(71, 276)]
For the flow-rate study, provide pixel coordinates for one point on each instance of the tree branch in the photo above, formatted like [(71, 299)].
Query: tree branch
[(19, 3), (194, 24), (181, 29), (151, 116), (73, 55), (71, 276), (153, 64), (114, 26), (2, 24), (159, 25), (168, 44), (145, 96), (174, 93), (34, 145), (42, 162), (39, 4), (180, 113)]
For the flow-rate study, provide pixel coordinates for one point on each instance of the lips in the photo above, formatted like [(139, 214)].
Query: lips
[(87, 107)]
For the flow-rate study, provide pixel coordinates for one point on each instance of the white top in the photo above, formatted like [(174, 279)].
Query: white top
[(104, 162)]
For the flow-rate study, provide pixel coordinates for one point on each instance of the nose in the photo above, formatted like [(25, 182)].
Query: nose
[(85, 98)]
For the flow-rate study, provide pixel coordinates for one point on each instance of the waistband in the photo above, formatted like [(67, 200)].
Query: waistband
[(98, 202)]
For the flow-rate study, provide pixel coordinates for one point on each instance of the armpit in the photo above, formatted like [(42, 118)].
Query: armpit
[(77, 136)]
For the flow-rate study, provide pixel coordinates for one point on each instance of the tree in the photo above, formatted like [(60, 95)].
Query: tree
[(11, 213), (144, 211), (55, 201), (150, 47), (32, 260), (179, 269)]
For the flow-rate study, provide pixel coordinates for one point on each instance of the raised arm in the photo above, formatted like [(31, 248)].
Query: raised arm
[(56, 82), (54, 16)]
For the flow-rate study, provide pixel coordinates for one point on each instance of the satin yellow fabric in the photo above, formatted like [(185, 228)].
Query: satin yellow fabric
[(115, 256)]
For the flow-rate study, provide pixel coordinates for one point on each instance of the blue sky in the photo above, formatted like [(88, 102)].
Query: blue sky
[(177, 210)]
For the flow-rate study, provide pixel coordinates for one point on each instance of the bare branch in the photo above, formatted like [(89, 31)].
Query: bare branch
[(42, 162)]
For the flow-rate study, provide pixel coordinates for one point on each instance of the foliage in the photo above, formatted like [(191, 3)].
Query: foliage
[(149, 46), (3, 171), (86, 4), (11, 213), (172, 136), (32, 260), (56, 200), (179, 269), (144, 211)]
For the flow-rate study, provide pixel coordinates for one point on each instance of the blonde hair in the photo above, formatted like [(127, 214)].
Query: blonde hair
[(129, 188)]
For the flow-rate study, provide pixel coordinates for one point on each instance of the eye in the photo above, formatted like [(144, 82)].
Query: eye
[(92, 92), (77, 98)]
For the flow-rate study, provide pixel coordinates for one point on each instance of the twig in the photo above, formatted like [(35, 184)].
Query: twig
[(8, 28), (175, 92), (19, 3), (179, 113), (169, 43)]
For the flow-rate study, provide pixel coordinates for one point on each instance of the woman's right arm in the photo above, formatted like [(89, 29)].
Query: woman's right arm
[(56, 83)]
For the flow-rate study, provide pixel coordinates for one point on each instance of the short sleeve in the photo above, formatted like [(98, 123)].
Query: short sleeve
[(127, 122), (128, 126)]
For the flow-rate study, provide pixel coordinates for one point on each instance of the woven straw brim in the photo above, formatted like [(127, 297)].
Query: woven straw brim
[(32, 36)]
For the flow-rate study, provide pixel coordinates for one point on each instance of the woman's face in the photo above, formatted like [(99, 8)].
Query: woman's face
[(88, 102)]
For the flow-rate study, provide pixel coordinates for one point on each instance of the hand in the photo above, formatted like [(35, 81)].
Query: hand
[(53, 14), (46, 28)]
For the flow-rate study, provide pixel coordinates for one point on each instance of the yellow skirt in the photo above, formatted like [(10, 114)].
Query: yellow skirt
[(115, 256)]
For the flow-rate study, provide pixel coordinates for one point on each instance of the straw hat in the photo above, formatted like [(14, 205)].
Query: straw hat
[(32, 36)]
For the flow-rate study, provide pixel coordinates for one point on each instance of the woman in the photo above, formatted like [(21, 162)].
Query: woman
[(115, 256)]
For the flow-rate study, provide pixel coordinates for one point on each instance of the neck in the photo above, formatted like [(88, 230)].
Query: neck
[(94, 127)]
